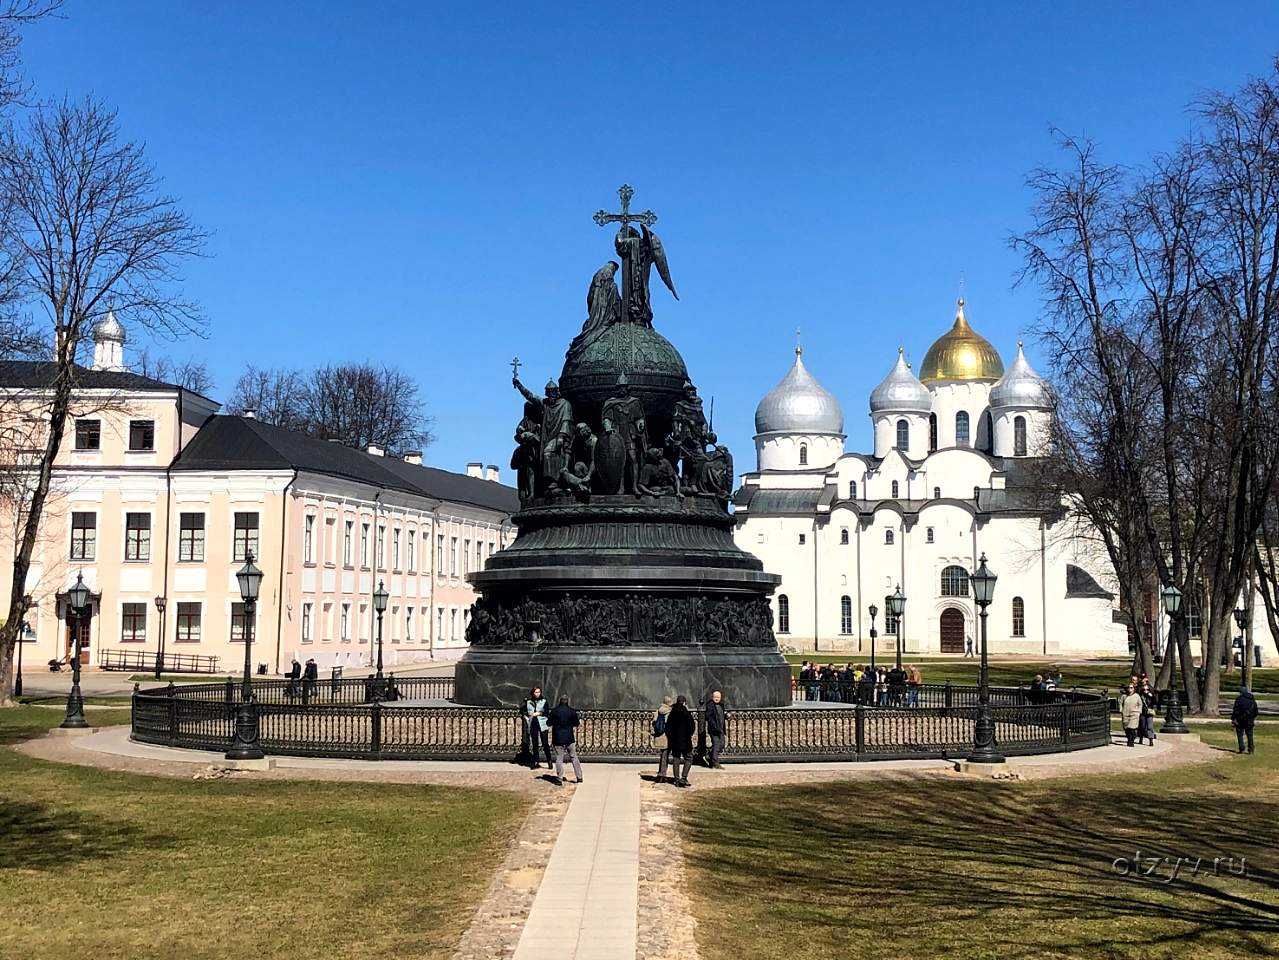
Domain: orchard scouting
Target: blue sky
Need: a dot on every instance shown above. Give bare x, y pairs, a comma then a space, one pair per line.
413, 182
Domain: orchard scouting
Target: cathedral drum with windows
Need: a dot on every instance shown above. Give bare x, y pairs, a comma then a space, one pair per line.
951, 475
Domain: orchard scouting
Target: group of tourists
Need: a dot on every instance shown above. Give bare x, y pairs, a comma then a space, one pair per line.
868, 686
1137, 707
673, 730
309, 677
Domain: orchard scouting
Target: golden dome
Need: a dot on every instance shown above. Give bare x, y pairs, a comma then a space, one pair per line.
961, 354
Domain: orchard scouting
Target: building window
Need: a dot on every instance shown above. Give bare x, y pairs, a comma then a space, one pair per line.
1019, 617
1019, 436
308, 538
895, 488
133, 623
395, 548
453, 623
88, 434
246, 535
903, 435
986, 433
439, 553
408, 624
137, 536
466, 556
238, 621
803, 539
845, 614
344, 631
188, 622
410, 545
348, 535
141, 434
803, 454
890, 621
306, 622
783, 613
954, 582
364, 545
843, 536
84, 535
453, 556
852, 489
381, 547
961, 428
439, 623
190, 536
932, 432
936, 493
1194, 620
928, 534
888, 536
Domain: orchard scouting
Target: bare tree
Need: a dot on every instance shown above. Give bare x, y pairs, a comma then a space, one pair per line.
90, 228
273, 396
189, 374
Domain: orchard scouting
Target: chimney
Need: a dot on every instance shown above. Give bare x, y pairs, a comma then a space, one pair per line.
377, 451
475, 470
413, 456
490, 473
250, 414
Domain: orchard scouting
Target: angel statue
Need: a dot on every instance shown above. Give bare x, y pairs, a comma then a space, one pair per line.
640, 252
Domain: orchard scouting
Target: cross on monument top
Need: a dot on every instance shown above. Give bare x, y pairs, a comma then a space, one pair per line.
625, 218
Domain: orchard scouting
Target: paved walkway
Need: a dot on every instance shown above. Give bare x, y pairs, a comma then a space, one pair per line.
587, 905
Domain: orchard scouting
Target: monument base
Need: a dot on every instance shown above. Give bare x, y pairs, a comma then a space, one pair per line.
633, 678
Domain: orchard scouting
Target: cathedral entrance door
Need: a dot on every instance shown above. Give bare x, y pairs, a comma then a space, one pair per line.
952, 630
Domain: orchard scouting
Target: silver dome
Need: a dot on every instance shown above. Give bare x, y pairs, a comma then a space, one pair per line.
1021, 386
900, 391
109, 328
799, 404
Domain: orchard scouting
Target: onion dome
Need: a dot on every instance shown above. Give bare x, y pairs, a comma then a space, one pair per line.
799, 404
1021, 386
900, 391
109, 328
961, 354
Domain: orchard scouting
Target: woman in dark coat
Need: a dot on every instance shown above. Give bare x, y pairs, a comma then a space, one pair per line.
680, 728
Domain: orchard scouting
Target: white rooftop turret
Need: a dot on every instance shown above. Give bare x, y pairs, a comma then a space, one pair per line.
900, 391
108, 343
1021, 386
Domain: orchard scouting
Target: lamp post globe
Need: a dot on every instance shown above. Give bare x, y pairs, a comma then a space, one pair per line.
245, 745
160, 604
984, 748
1173, 721
873, 611
897, 605
77, 612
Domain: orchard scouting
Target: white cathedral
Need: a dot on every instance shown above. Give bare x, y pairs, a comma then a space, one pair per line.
946, 483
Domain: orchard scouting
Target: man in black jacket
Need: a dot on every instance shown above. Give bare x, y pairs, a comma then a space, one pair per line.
309, 677
1243, 716
716, 718
294, 674
679, 737
563, 722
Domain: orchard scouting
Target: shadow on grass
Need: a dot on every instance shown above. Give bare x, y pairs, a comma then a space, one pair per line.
1007, 865
38, 836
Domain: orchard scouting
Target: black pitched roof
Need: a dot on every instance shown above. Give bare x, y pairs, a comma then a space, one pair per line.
40, 373
1080, 583
238, 443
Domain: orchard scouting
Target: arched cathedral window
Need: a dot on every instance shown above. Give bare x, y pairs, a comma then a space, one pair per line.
845, 614
1019, 617
903, 435
783, 613
852, 489
894, 488
803, 454
961, 428
932, 432
843, 536
1019, 437
954, 582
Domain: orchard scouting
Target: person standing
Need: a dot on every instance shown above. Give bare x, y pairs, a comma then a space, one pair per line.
968, 645
1130, 707
1148, 704
294, 674
1243, 717
914, 683
679, 738
535, 727
564, 720
310, 676
660, 742
716, 720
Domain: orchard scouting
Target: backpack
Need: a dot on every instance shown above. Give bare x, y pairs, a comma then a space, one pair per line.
659, 725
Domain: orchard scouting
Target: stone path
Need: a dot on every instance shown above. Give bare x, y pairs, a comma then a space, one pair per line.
587, 905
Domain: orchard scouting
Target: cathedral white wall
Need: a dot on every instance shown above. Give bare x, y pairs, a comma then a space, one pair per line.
108, 355
778, 451
949, 397
885, 425
1038, 426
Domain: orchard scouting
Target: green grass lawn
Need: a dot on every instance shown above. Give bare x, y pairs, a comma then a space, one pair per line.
968, 869
102, 865
1109, 675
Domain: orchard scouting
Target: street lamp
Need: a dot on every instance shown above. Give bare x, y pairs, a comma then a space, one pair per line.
245, 745
984, 750
897, 605
160, 604
873, 610
380, 597
22, 638
1241, 621
78, 609
1173, 722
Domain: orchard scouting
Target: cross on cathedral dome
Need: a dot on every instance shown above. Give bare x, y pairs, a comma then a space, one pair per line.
961, 354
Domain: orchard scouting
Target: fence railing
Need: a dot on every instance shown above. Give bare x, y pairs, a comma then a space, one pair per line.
144, 661
332, 719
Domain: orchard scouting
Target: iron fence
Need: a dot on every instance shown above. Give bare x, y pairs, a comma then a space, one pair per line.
335, 720
144, 662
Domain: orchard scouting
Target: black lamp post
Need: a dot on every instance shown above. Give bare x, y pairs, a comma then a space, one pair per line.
897, 605
380, 598
78, 610
1173, 723
873, 610
1241, 621
160, 604
245, 745
22, 638
984, 749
